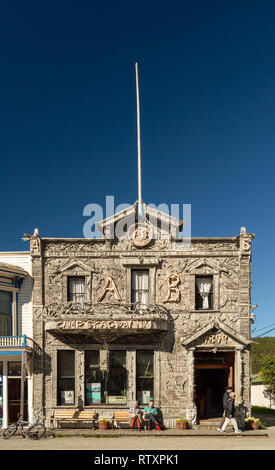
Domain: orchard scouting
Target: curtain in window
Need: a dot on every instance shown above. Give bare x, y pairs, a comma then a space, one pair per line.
140, 286
77, 289
204, 286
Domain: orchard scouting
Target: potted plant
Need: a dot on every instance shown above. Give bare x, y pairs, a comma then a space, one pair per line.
103, 423
252, 423
182, 423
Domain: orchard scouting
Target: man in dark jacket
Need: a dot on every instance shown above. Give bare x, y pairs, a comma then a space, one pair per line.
224, 404
225, 397
230, 414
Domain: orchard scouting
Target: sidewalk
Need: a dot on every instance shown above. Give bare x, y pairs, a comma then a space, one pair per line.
169, 432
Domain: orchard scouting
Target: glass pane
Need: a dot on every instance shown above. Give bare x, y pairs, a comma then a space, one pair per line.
5, 302
65, 361
5, 313
118, 358
91, 358
145, 376
117, 377
76, 289
14, 368
140, 286
65, 378
204, 292
95, 379
1, 390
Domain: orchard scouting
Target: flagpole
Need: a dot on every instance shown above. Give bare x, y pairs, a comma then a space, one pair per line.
138, 144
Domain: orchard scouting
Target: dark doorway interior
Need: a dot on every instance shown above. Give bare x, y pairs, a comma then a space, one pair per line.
210, 387
14, 399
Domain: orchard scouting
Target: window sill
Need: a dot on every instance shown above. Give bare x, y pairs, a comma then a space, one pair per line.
205, 310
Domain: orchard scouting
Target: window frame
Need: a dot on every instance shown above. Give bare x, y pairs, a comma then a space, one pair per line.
133, 270
120, 367
210, 296
102, 382
84, 293
138, 377
58, 377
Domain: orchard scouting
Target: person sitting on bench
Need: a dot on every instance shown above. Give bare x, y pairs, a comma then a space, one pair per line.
135, 415
150, 412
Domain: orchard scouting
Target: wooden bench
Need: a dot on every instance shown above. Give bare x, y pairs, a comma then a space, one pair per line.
87, 415
123, 417
64, 416
73, 416
120, 417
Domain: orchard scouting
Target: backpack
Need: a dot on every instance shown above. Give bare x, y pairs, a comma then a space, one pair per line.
159, 426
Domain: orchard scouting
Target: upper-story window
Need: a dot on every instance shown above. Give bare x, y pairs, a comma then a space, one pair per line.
204, 292
140, 286
76, 289
5, 313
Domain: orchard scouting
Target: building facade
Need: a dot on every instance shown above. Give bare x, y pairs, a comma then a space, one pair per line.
15, 334
137, 318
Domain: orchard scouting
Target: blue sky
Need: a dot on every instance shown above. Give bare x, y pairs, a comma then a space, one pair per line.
68, 117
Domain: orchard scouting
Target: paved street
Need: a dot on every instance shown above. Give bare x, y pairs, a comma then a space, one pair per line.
137, 442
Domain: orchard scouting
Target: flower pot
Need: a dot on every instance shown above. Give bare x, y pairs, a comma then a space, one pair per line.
102, 425
181, 425
255, 425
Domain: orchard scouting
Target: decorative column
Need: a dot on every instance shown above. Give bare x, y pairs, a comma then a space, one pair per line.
131, 378
104, 363
238, 375
191, 410
239, 387
80, 378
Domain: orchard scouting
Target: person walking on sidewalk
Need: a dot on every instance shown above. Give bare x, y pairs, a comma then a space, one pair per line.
224, 403
230, 414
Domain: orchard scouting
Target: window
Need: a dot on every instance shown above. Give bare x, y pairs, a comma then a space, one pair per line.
95, 379
76, 289
204, 292
1, 390
145, 376
65, 378
117, 378
14, 368
5, 313
140, 286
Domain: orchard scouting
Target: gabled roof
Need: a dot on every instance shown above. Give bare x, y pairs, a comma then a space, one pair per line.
218, 325
149, 212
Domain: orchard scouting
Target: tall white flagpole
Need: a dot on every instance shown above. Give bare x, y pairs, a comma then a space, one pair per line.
138, 144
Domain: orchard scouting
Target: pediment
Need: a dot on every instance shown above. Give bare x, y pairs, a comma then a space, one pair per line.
76, 265
215, 334
204, 266
130, 216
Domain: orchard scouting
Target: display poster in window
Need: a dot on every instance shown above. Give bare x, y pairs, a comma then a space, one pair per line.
67, 397
116, 399
93, 393
145, 396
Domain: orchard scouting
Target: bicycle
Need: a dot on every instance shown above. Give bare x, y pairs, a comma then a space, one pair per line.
35, 430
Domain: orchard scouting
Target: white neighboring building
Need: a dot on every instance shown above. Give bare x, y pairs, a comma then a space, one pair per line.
258, 397
15, 334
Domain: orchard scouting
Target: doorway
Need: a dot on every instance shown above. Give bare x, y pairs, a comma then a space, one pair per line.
213, 373
14, 386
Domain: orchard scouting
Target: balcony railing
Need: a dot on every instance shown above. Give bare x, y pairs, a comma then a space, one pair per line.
16, 342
